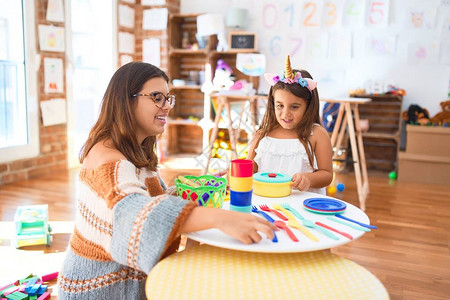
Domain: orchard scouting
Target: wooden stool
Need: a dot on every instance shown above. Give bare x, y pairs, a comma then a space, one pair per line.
224, 102
207, 272
344, 118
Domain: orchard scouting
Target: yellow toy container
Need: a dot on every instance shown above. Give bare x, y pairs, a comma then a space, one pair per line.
272, 185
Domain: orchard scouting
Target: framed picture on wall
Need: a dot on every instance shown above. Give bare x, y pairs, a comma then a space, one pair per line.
242, 40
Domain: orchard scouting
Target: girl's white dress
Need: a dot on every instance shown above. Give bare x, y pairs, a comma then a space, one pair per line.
286, 156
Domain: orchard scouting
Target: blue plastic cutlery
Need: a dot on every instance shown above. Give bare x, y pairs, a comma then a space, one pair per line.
268, 218
356, 222
346, 223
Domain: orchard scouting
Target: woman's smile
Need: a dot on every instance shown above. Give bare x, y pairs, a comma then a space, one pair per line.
161, 118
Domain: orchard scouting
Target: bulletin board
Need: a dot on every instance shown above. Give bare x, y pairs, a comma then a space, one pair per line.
350, 44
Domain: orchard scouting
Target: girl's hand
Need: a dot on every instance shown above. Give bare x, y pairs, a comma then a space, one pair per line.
243, 226
300, 182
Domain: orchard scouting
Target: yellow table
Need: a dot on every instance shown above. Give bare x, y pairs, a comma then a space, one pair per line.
206, 272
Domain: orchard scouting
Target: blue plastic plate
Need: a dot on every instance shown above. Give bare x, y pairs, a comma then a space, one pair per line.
324, 212
324, 204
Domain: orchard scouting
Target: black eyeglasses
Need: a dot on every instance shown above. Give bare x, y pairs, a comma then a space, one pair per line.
159, 98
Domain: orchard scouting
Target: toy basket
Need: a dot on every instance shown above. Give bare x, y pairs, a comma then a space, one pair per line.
210, 191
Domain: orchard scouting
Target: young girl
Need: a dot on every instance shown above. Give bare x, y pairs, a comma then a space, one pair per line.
125, 222
290, 139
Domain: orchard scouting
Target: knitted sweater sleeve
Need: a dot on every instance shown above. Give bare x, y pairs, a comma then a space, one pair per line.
144, 228
141, 227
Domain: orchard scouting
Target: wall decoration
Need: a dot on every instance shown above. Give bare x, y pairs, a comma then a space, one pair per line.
251, 64
421, 52
380, 46
155, 19
126, 43
53, 112
151, 51
446, 53
353, 13
124, 59
316, 46
51, 38
340, 46
420, 17
53, 75
312, 13
378, 13
153, 2
55, 11
126, 16
332, 13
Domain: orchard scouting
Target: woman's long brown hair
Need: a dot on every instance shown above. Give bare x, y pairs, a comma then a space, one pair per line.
311, 116
116, 121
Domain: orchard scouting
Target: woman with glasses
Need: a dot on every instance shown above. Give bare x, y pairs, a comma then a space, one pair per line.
125, 222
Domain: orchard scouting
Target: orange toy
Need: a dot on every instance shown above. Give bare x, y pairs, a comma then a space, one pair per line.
443, 116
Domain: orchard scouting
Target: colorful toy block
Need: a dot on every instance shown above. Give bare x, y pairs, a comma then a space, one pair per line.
32, 226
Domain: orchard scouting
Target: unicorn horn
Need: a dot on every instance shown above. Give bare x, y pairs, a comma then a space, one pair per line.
288, 69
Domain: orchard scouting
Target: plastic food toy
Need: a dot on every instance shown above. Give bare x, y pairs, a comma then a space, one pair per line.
32, 227
272, 184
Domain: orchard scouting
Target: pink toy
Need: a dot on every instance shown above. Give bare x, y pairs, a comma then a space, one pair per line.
44, 296
50, 276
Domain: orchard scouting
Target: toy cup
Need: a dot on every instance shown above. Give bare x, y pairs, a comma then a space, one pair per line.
241, 168
244, 209
241, 184
241, 201
241, 198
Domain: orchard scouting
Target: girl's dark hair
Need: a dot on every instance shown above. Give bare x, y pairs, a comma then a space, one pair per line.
311, 116
116, 121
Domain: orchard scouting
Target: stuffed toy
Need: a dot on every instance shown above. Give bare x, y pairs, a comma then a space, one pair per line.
416, 114
443, 116
223, 76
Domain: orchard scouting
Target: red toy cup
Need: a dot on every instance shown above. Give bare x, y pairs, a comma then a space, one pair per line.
241, 168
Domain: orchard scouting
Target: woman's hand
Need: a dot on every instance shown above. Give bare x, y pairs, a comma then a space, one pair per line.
244, 227
241, 226
300, 182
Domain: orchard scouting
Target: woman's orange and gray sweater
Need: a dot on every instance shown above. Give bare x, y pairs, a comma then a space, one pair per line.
125, 224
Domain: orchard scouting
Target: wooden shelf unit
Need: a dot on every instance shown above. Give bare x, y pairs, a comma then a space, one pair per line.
185, 136
382, 141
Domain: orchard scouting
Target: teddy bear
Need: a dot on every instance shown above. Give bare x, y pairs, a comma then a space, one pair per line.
443, 116
416, 114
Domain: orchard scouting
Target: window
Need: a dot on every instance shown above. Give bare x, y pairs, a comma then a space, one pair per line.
18, 99
91, 67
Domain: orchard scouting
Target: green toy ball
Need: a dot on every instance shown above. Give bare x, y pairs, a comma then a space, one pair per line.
392, 175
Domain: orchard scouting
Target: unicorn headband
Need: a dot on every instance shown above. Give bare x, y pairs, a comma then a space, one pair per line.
290, 77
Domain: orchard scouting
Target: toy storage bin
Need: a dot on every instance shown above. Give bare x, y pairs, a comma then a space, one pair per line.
210, 192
